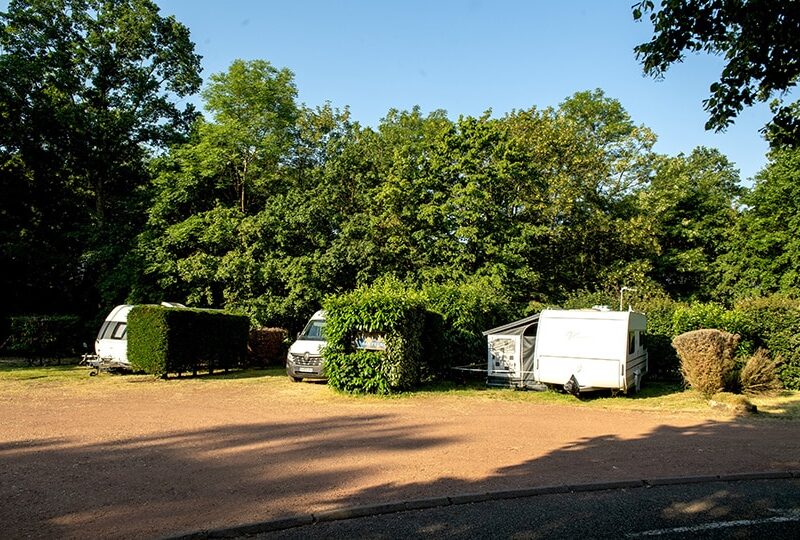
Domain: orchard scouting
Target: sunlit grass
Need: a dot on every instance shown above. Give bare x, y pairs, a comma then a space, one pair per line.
17, 378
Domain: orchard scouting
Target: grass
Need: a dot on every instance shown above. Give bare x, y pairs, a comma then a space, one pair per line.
18, 378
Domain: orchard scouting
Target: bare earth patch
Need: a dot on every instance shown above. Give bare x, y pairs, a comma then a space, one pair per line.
121, 457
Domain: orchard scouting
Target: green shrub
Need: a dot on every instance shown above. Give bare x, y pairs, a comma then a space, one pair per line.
774, 324
466, 310
760, 374
38, 337
388, 309
707, 359
165, 340
267, 346
663, 363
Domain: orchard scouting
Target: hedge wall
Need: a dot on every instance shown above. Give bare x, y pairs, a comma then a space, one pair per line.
389, 310
772, 323
43, 336
165, 340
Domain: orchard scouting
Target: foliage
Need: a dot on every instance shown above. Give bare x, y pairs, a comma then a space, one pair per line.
37, 337
760, 46
177, 340
88, 89
707, 359
764, 247
690, 204
774, 324
663, 363
466, 310
387, 309
267, 346
760, 374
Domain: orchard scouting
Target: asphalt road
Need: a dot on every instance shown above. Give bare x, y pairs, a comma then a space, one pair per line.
742, 509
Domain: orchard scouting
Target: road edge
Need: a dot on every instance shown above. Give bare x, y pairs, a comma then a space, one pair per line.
352, 512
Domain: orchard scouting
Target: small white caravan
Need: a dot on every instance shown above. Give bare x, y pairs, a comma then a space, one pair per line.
592, 348
580, 350
111, 345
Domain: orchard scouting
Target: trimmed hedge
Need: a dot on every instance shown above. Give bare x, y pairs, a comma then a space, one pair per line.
37, 337
387, 309
771, 323
774, 323
267, 346
165, 340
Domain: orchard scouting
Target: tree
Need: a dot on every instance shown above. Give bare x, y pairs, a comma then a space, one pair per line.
87, 92
691, 206
762, 54
253, 108
764, 256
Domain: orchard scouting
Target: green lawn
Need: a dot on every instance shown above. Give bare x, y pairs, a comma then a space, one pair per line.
654, 396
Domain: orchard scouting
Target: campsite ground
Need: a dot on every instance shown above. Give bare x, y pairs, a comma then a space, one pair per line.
125, 456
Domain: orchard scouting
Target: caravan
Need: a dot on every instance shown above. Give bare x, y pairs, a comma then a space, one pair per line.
579, 350
111, 345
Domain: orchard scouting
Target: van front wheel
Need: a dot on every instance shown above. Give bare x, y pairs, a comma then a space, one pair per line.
295, 379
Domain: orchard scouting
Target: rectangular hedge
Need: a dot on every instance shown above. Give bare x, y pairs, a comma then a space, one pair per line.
164, 340
388, 310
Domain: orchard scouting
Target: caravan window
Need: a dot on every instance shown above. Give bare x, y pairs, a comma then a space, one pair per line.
113, 330
631, 342
119, 331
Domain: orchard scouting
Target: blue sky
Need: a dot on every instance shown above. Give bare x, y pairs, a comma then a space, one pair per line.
467, 56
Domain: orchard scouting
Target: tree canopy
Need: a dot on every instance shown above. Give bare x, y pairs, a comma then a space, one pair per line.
88, 88
113, 192
758, 39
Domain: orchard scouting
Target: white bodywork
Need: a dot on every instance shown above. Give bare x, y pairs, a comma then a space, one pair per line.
304, 359
111, 344
601, 349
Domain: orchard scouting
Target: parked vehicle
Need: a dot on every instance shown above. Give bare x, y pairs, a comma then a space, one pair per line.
111, 345
578, 350
304, 360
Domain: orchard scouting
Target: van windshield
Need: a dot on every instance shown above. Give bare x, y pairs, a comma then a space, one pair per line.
315, 330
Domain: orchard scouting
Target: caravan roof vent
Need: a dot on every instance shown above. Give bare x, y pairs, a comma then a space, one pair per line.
601, 308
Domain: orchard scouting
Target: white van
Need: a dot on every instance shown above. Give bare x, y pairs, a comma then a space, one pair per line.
304, 360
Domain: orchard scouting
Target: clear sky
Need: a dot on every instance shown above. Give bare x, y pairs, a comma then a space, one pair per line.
467, 56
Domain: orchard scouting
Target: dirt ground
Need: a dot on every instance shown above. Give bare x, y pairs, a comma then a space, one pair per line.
132, 457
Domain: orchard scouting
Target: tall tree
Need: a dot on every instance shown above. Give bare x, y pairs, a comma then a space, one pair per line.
88, 89
762, 54
691, 205
764, 254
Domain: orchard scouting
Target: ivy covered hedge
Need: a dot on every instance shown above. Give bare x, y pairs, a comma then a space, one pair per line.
426, 332
165, 340
388, 311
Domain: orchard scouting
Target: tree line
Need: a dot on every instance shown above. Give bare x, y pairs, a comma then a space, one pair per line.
113, 191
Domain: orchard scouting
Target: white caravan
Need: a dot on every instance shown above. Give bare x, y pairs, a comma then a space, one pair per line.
580, 350
591, 349
111, 345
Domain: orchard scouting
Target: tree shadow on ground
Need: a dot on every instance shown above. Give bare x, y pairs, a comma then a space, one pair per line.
704, 449
185, 480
